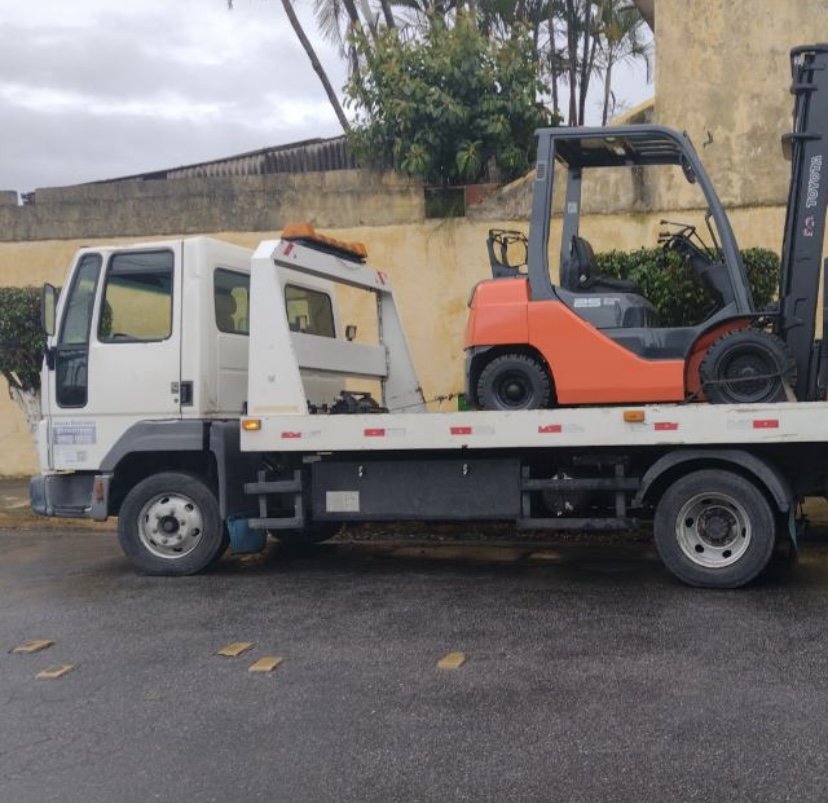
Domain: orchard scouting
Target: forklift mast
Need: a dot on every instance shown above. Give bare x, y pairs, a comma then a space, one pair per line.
802, 245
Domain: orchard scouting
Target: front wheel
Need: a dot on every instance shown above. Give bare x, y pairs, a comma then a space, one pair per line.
169, 524
748, 366
714, 529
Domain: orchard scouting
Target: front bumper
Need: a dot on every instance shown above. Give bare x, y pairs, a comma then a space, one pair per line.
79, 495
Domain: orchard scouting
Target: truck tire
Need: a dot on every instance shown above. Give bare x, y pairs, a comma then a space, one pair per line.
514, 382
169, 524
728, 369
714, 529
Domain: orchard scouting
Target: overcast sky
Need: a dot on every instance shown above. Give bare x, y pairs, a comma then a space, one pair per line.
95, 89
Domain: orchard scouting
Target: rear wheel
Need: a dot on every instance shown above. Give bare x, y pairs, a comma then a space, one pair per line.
169, 524
514, 382
714, 529
747, 366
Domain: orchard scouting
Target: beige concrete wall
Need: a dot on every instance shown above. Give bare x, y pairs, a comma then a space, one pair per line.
192, 205
433, 267
723, 75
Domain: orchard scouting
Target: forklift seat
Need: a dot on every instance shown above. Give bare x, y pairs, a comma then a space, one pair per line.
580, 274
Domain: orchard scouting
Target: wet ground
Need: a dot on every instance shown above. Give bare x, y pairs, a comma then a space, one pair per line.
590, 674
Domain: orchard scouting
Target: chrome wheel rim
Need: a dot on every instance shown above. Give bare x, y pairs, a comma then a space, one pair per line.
713, 530
170, 526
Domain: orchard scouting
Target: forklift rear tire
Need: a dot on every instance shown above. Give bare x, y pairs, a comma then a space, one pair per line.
714, 529
514, 382
169, 524
747, 366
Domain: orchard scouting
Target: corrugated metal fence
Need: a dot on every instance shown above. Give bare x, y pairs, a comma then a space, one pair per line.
300, 157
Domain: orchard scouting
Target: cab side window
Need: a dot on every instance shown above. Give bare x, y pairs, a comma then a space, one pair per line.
231, 294
137, 304
309, 311
73, 343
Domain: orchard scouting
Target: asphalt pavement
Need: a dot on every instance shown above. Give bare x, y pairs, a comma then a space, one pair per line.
590, 674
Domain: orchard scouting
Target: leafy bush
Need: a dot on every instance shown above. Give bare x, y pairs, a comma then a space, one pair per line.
21, 339
675, 290
449, 105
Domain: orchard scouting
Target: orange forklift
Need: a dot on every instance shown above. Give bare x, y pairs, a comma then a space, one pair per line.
595, 339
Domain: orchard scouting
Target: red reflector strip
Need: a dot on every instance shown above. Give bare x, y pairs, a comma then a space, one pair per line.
374, 433
287, 249
766, 423
286, 435
661, 426
547, 429
461, 430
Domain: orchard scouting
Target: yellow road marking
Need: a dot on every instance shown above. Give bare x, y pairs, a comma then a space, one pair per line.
28, 647
453, 660
235, 649
54, 672
266, 664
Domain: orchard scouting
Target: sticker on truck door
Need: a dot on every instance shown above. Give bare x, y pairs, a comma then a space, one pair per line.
74, 434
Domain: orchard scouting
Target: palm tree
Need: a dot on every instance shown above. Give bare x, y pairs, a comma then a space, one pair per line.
314, 60
622, 29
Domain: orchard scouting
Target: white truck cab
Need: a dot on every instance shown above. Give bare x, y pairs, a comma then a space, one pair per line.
159, 331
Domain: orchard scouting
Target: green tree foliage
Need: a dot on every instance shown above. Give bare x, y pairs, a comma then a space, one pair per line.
21, 338
674, 289
448, 105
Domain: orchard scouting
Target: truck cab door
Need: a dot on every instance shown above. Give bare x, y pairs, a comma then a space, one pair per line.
117, 353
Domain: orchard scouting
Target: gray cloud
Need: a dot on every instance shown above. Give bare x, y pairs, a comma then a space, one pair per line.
74, 147
109, 95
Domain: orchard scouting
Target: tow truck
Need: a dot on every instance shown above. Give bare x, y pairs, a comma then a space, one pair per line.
207, 397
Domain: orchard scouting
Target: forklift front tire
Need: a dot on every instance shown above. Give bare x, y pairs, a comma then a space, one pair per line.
747, 366
514, 382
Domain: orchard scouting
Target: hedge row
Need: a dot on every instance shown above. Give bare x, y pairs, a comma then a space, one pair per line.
674, 289
21, 339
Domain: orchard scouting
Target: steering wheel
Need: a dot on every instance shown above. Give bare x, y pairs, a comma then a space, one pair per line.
681, 241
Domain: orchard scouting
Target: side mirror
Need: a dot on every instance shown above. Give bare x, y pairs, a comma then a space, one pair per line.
350, 332
48, 305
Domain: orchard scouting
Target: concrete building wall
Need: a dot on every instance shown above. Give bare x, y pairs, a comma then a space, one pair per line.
192, 205
723, 75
